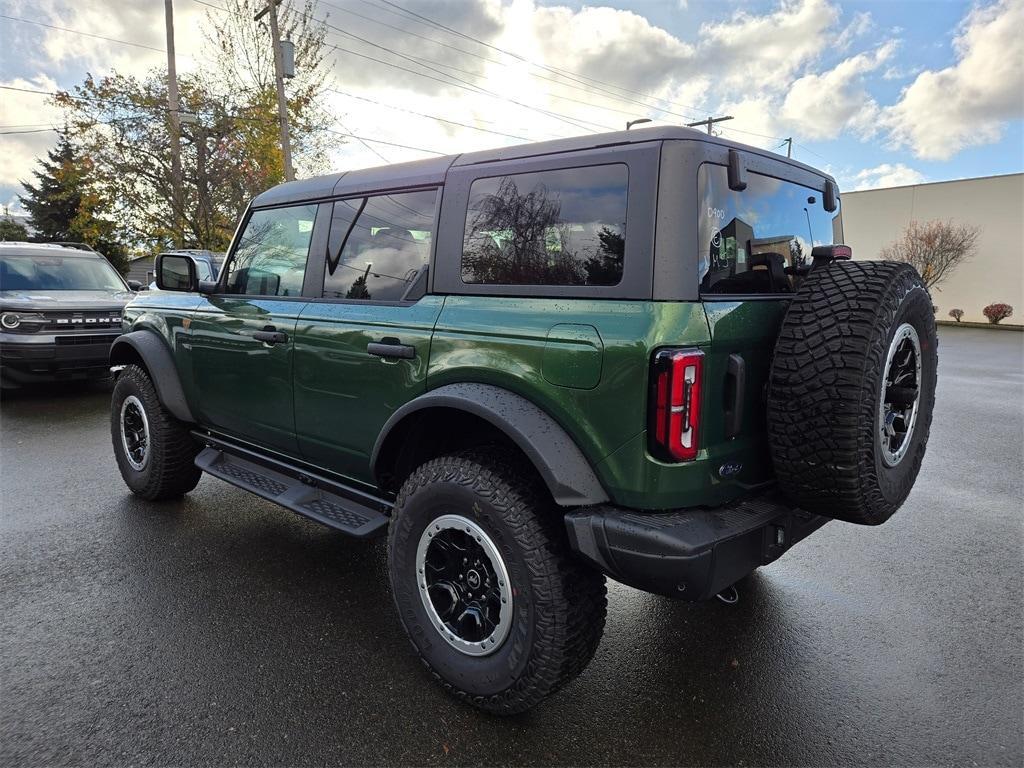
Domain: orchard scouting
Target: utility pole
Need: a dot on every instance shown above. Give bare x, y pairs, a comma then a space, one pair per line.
175, 123
789, 146
709, 122
282, 102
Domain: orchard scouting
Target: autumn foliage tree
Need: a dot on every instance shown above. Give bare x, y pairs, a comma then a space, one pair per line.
934, 248
229, 130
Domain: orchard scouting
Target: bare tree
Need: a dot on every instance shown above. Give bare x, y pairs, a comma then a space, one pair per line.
242, 57
935, 248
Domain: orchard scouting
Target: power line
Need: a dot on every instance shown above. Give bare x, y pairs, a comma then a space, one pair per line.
230, 117
365, 144
469, 87
458, 82
575, 122
84, 34
555, 70
423, 114
425, 63
36, 130
386, 143
588, 88
569, 74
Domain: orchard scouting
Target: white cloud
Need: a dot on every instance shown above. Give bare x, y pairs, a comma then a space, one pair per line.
765, 51
21, 111
887, 175
820, 106
861, 23
765, 68
943, 111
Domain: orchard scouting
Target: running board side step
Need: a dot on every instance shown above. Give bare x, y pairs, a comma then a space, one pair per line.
314, 497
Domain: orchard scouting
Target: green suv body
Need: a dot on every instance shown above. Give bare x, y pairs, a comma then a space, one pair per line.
534, 366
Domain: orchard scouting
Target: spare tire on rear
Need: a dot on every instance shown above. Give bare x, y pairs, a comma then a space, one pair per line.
851, 389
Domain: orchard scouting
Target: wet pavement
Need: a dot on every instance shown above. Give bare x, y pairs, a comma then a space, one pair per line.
224, 630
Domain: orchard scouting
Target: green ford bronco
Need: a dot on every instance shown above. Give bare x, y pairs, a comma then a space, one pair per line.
645, 355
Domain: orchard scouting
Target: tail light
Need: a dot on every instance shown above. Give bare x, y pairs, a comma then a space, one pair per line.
675, 403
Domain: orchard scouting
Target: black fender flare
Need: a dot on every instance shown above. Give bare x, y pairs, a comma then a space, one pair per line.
562, 465
159, 361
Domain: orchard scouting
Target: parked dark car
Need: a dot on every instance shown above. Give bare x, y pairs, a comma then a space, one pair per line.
60, 310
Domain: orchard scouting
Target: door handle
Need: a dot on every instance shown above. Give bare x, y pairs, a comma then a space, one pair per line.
270, 335
736, 380
391, 349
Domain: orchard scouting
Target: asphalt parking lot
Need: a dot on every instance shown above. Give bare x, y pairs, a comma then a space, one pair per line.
224, 630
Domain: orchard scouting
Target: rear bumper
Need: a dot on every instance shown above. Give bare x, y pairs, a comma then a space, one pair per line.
688, 554
27, 359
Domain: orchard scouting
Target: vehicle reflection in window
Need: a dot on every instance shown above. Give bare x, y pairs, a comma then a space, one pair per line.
563, 227
378, 245
759, 240
271, 256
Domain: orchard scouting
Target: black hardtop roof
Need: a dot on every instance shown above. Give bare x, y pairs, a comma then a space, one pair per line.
432, 170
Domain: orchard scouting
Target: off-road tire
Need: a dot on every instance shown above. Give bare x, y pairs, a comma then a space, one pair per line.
559, 602
825, 385
170, 471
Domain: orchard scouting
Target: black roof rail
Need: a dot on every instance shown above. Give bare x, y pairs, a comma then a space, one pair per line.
81, 246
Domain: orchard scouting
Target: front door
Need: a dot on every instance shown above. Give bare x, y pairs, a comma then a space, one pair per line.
243, 338
361, 350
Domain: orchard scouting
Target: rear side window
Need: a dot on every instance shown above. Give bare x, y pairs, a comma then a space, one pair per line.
378, 245
752, 241
270, 259
562, 227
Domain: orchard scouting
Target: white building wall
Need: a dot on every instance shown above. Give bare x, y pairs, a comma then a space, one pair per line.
874, 218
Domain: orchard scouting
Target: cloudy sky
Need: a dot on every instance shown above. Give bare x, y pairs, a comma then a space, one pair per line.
880, 93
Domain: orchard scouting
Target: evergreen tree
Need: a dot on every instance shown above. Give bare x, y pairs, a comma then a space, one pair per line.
63, 206
12, 230
53, 202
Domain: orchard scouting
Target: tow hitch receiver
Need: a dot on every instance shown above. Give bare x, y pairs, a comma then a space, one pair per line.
691, 554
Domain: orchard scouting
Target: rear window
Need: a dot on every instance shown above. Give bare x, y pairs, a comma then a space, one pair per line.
58, 273
562, 227
752, 241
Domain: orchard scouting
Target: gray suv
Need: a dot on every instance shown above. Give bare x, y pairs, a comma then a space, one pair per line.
60, 310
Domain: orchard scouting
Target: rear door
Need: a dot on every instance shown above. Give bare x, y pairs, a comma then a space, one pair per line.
362, 346
751, 243
243, 337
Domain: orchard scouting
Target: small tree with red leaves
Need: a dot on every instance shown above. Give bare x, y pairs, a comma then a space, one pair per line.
997, 312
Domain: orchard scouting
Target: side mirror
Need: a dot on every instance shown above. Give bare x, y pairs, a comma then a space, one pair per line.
831, 199
175, 272
135, 285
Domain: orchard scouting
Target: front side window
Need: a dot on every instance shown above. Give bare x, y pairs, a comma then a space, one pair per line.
561, 228
756, 240
58, 273
270, 259
378, 245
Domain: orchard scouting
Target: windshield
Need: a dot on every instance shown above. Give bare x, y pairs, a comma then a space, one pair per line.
58, 273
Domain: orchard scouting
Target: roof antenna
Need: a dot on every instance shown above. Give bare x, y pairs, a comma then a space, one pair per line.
639, 120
